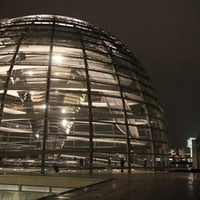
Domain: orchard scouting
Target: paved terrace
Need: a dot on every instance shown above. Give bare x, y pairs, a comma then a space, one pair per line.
140, 185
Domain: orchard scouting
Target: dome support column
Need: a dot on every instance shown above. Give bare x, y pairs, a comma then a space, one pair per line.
91, 148
9, 73
128, 145
46, 123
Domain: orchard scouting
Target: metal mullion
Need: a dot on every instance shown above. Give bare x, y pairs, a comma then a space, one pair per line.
46, 124
148, 116
9, 73
125, 113
91, 131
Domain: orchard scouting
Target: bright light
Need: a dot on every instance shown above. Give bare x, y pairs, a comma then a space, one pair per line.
64, 122
63, 111
30, 73
67, 125
37, 135
57, 58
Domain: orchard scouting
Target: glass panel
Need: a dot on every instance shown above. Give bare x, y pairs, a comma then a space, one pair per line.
109, 115
35, 188
67, 74
38, 34
68, 37
110, 158
106, 101
30, 48
159, 149
64, 61
102, 77
24, 107
123, 71
25, 77
101, 129
141, 146
5, 58
66, 51
20, 134
89, 35
108, 90
9, 187
100, 66
97, 56
32, 58
130, 83
141, 161
154, 112
128, 66
3, 76
95, 46
8, 39
157, 123
144, 132
77, 143
66, 83
66, 108
147, 90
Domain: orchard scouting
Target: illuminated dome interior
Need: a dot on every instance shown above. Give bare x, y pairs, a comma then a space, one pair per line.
71, 91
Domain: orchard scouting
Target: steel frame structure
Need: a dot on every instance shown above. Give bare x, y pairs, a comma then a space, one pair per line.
69, 91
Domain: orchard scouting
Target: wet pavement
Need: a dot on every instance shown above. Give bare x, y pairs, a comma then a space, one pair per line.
142, 186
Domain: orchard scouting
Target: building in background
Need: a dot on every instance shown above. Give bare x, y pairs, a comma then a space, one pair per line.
189, 145
196, 153
72, 94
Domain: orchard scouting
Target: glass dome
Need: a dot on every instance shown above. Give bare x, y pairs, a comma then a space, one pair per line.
72, 94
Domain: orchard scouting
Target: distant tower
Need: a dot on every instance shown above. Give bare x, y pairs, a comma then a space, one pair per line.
196, 152
189, 145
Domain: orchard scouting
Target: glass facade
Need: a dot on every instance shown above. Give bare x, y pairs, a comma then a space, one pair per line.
72, 94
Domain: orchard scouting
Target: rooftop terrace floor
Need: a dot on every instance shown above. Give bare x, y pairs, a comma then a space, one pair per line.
140, 185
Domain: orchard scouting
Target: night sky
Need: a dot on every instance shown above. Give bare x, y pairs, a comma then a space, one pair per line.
163, 34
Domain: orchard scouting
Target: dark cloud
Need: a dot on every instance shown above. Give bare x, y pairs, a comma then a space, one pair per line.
164, 35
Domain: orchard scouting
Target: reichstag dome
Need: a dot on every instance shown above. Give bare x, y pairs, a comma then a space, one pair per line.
74, 95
